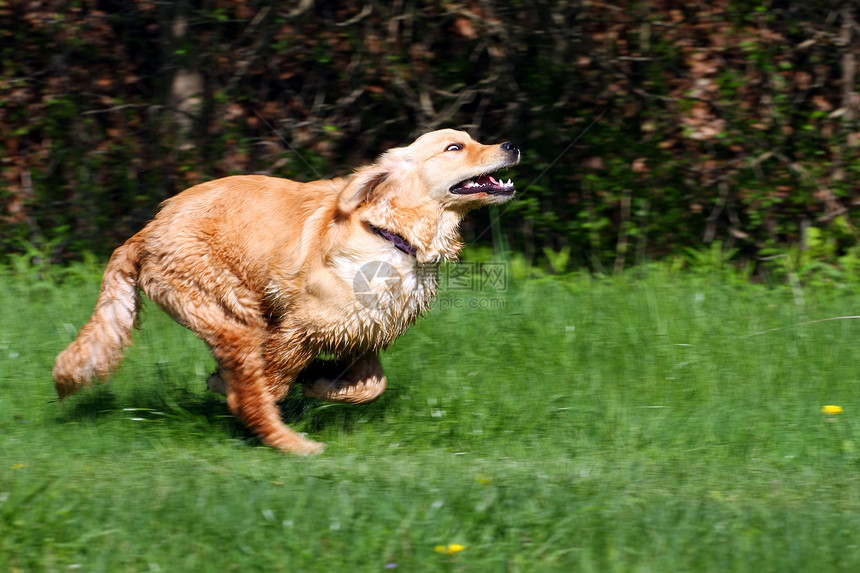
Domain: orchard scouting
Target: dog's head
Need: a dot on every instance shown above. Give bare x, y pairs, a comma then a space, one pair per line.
447, 168
458, 171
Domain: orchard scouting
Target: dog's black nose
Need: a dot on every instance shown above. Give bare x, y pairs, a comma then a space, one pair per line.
512, 149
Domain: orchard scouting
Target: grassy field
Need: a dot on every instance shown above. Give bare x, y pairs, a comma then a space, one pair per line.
629, 424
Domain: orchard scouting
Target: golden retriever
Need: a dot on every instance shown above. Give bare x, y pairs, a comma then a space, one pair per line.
272, 274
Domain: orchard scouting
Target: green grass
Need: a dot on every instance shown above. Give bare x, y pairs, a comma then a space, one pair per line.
590, 425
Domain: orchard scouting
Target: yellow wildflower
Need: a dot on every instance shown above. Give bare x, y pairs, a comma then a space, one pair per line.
831, 409
450, 549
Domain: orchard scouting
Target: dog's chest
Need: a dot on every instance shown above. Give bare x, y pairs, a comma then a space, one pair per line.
379, 298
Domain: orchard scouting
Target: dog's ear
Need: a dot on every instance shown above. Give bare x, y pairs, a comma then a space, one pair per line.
359, 189
360, 186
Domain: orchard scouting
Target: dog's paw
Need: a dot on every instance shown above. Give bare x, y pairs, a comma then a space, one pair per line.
352, 392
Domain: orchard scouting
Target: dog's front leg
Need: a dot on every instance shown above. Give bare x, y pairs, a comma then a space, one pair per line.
357, 380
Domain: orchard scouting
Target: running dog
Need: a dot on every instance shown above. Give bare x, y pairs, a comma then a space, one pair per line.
272, 274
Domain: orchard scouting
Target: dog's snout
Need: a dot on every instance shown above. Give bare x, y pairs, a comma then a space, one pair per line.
511, 148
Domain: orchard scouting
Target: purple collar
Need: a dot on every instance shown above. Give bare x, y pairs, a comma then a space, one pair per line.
396, 240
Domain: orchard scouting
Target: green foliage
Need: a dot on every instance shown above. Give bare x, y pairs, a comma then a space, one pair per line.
723, 122
712, 261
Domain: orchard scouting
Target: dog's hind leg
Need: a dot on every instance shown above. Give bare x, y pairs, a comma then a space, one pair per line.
358, 381
251, 398
238, 344
252, 393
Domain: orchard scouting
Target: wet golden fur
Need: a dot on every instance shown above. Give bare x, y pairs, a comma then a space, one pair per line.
264, 270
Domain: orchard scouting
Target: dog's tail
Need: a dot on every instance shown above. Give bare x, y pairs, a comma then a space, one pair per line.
98, 349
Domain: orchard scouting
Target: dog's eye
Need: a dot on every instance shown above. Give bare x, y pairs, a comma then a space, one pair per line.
454, 147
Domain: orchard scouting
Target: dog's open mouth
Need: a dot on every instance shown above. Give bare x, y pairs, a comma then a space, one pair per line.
483, 184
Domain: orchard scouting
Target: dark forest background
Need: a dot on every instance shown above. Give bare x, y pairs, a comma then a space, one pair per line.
719, 126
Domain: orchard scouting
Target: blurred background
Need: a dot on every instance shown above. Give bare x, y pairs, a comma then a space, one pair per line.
727, 127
